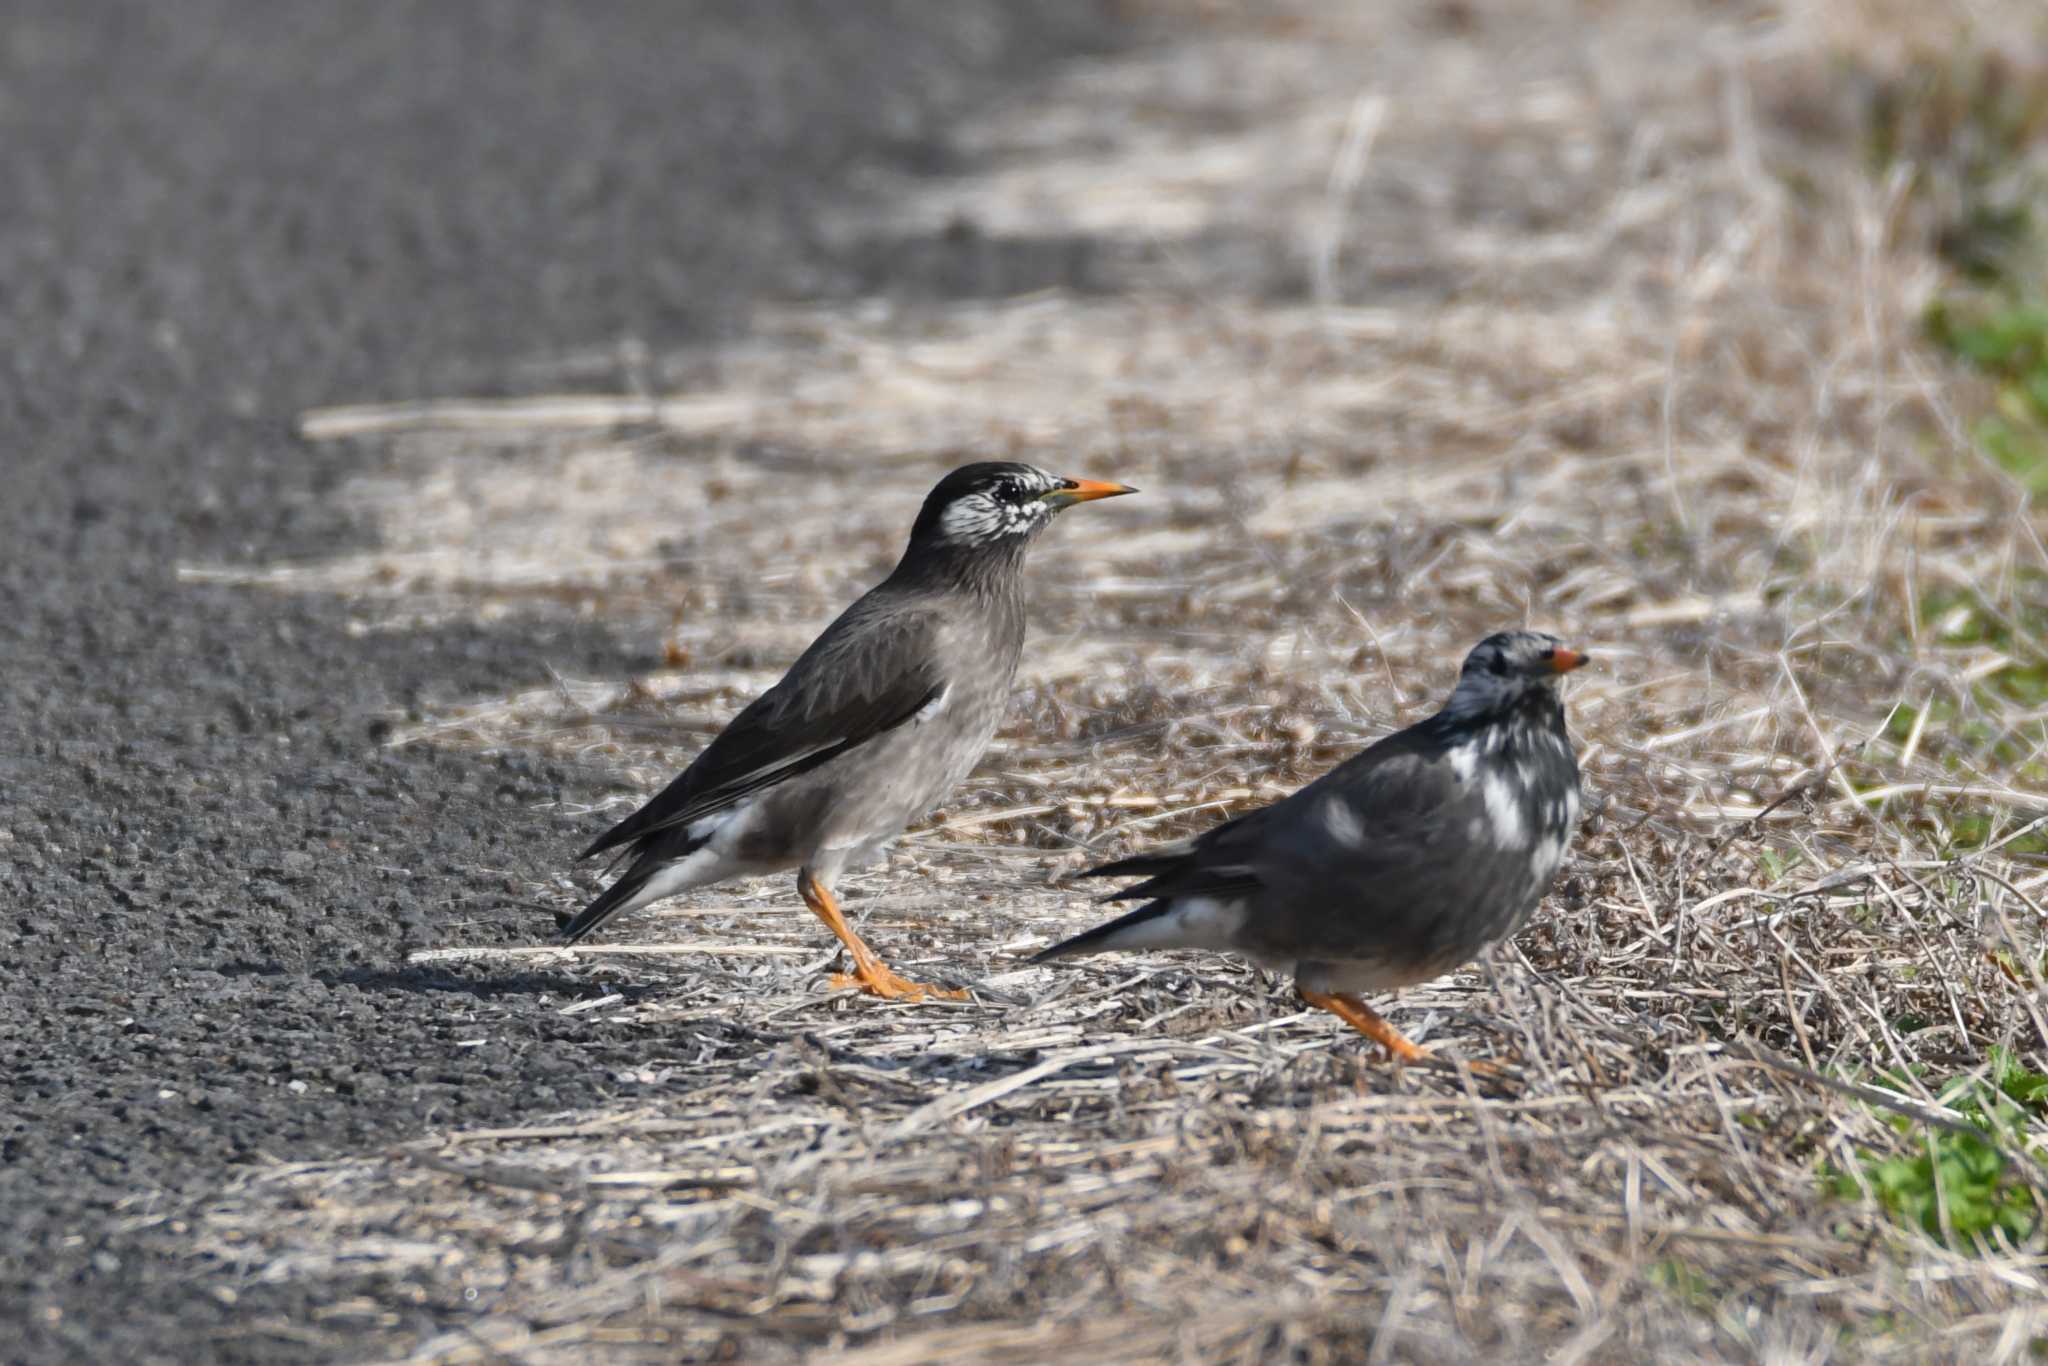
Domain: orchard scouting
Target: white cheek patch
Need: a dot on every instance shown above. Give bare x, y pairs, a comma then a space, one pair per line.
1465, 761
975, 518
1503, 812
1343, 824
978, 518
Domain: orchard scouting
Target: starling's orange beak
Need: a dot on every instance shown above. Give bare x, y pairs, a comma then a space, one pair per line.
1085, 491
1563, 661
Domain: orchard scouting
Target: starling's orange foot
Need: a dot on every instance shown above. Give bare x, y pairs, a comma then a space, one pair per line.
869, 973
878, 980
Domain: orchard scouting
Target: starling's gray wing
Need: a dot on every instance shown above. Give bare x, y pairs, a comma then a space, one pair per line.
1365, 832
1240, 854
1367, 860
871, 671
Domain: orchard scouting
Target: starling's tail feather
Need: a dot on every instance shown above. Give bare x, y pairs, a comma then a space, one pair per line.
1151, 861
1104, 937
608, 903
1171, 922
632, 889
1180, 872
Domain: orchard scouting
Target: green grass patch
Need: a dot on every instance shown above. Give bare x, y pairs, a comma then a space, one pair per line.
2005, 337
1976, 1177
1685, 1282
1778, 864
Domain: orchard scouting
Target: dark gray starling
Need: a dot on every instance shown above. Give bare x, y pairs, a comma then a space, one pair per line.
881, 717
1393, 868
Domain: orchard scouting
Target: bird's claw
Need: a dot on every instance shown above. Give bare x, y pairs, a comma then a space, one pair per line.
880, 981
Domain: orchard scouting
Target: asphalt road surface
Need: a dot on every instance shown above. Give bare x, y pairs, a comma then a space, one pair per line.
214, 214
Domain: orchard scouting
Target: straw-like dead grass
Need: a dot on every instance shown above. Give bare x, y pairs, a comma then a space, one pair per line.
1599, 323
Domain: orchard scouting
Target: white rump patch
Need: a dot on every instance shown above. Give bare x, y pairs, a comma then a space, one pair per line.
1545, 861
726, 822
1200, 922
1503, 812
1343, 823
706, 866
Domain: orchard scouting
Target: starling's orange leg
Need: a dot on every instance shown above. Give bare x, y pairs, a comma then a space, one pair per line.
869, 973
1368, 1022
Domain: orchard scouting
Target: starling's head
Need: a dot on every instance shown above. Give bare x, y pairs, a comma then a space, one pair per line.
1508, 667
999, 502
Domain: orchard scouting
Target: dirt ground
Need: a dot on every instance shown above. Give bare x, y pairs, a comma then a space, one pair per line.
559, 380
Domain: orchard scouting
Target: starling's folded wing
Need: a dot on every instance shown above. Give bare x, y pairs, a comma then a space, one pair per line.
1394, 860
1388, 787
1371, 822
871, 671
1218, 860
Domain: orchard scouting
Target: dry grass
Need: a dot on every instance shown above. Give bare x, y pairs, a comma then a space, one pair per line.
1597, 322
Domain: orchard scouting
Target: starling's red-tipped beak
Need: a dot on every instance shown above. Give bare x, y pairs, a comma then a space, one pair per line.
1086, 491
1563, 661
